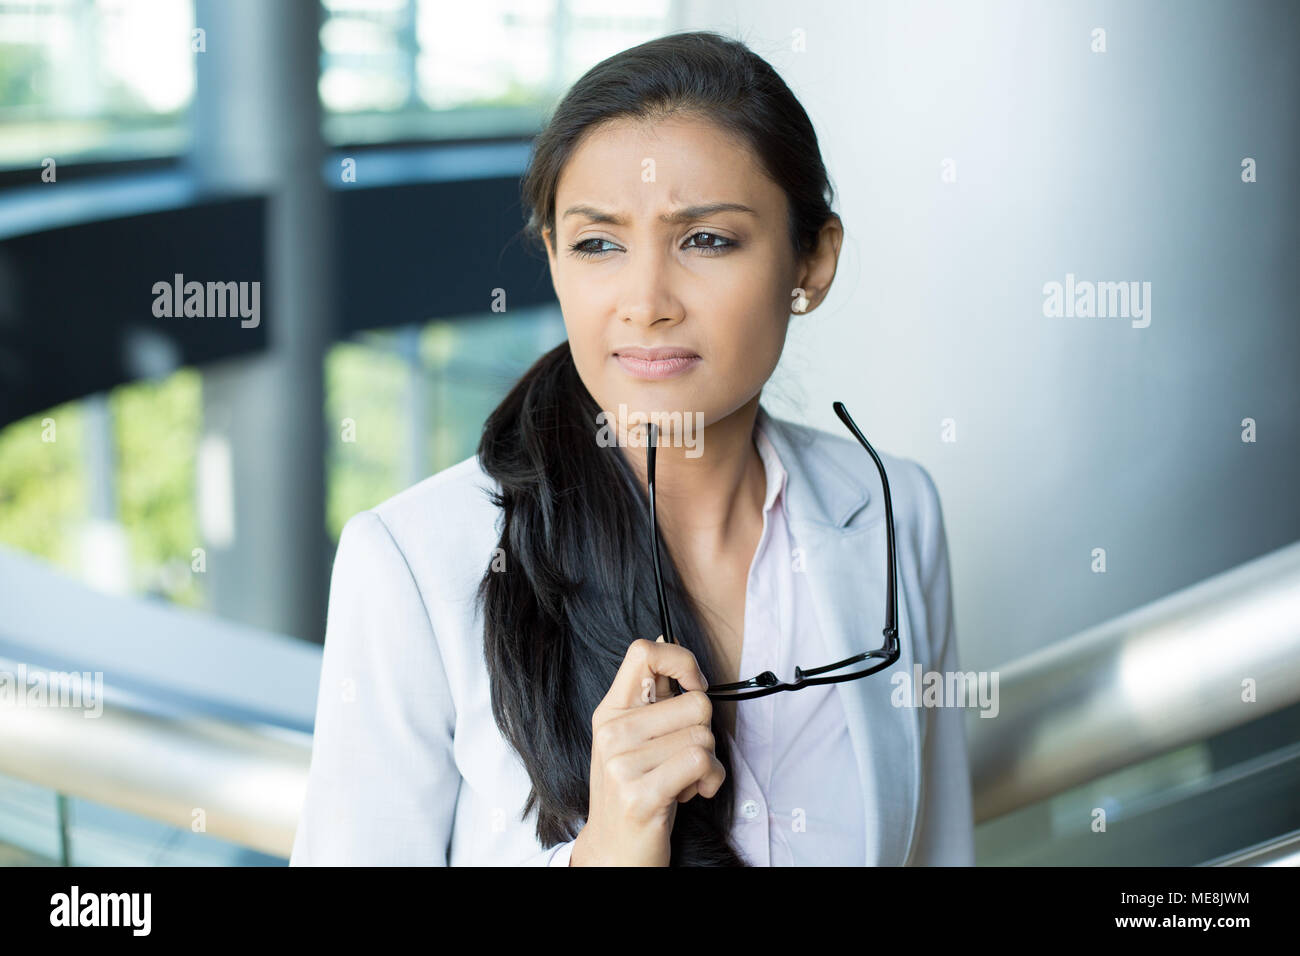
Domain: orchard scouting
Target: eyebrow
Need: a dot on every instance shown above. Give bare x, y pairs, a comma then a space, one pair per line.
685, 214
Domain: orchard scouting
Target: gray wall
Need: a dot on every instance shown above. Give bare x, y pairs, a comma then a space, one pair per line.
1072, 432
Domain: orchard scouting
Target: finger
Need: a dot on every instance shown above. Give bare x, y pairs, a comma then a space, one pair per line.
632, 728
660, 750
650, 659
663, 685
691, 765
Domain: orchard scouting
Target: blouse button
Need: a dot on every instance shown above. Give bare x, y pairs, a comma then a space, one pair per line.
750, 809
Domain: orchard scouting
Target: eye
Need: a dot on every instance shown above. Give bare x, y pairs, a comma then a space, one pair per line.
582, 250
713, 250
578, 248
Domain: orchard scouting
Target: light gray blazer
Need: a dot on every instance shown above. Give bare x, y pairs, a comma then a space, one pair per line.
408, 766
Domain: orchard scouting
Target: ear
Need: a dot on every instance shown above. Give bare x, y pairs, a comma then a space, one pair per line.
819, 267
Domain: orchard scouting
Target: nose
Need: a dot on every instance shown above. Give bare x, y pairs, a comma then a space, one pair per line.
647, 289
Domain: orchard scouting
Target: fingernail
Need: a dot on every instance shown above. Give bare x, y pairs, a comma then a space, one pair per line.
659, 639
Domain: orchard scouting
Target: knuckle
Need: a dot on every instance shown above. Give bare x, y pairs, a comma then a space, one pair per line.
618, 767
602, 738
701, 736
620, 736
704, 705
719, 779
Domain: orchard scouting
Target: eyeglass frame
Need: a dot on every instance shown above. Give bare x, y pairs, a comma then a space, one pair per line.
767, 683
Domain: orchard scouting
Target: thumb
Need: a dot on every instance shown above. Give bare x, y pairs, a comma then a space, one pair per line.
663, 685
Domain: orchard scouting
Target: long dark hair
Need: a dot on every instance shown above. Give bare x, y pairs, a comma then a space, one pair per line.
577, 585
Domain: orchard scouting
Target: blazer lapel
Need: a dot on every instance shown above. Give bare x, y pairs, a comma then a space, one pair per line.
845, 563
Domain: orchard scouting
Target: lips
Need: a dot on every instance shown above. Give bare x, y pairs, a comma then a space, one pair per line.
655, 354
655, 363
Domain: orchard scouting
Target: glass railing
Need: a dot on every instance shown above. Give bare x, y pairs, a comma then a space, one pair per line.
41, 827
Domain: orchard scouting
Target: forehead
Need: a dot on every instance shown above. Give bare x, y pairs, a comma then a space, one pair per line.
692, 161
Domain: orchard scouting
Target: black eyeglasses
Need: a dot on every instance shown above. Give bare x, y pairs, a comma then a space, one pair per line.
767, 682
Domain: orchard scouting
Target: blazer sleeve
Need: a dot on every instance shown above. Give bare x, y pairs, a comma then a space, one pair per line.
383, 781
946, 829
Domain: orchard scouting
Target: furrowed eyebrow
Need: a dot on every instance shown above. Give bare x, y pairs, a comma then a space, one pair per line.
685, 214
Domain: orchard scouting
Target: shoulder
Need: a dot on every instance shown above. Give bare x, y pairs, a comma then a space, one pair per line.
443, 527
458, 497
830, 458
846, 481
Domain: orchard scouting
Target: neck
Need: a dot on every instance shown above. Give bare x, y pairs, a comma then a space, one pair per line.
705, 495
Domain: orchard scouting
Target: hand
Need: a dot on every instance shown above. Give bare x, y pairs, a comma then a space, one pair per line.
651, 750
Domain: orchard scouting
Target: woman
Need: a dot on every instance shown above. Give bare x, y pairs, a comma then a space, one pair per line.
495, 688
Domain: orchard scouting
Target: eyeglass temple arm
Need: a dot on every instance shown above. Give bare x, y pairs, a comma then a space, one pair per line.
891, 625
665, 620
890, 630
669, 636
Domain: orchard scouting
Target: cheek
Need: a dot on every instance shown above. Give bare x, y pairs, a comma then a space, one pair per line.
588, 346
763, 352
758, 302
590, 351
582, 328
753, 333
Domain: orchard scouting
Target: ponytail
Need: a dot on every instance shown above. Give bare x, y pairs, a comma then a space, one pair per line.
577, 588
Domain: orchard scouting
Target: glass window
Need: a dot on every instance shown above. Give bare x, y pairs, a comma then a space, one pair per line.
103, 488
430, 69
94, 80
403, 404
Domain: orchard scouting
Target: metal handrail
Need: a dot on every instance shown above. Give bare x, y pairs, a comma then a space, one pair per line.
1280, 851
1165, 675
241, 782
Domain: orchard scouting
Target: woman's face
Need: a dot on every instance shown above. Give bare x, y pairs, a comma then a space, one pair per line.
717, 283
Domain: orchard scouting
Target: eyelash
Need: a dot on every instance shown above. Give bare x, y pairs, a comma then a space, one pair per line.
577, 250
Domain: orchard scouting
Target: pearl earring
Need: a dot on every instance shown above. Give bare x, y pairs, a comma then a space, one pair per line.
801, 303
